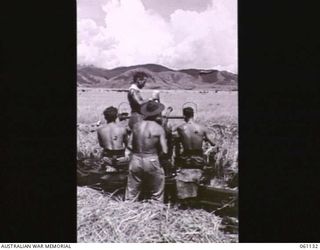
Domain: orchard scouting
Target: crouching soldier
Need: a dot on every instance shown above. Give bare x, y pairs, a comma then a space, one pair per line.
191, 161
113, 138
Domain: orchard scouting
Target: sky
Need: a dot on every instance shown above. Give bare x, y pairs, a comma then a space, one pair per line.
178, 34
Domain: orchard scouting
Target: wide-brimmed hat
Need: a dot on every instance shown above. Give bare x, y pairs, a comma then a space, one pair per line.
151, 108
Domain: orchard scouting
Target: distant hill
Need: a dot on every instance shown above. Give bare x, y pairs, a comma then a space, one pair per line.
160, 77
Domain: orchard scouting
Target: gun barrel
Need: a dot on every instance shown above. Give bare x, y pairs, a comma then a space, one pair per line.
167, 117
173, 117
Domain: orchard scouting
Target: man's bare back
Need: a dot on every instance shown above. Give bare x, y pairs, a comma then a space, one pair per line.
147, 136
145, 171
192, 135
112, 136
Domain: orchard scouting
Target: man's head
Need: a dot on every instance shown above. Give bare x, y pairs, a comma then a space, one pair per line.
110, 114
152, 110
140, 78
188, 113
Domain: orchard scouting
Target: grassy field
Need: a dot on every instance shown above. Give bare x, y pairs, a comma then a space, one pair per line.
220, 107
103, 220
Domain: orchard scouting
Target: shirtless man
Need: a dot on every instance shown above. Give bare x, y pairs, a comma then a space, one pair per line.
113, 139
191, 135
144, 169
135, 99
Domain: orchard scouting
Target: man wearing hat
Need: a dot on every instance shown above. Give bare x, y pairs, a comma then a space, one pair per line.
145, 171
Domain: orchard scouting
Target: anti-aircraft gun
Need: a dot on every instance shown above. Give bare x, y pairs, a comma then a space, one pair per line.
220, 198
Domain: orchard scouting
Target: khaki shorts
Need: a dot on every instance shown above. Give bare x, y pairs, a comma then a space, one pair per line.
145, 176
189, 176
187, 181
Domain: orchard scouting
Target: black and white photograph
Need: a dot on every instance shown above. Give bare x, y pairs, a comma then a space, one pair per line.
157, 121
148, 121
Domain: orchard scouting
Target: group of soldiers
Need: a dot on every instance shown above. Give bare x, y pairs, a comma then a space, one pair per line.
151, 144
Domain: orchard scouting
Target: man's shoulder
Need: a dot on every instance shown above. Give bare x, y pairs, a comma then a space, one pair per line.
182, 127
107, 127
125, 129
185, 126
195, 124
155, 125
131, 91
101, 129
199, 125
133, 88
118, 127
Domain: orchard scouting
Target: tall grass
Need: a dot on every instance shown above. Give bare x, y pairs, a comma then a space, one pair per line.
101, 218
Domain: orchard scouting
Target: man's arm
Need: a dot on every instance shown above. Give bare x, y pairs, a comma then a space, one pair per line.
208, 137
125, 137
129, 144
177, 142
137, 97
99, 139
165, 120
163, 141
169, 136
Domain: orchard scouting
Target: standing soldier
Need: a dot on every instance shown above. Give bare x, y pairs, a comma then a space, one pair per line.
191, 135
135, 99
145, 171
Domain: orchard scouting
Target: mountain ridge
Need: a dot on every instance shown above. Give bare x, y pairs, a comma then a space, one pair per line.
160, 77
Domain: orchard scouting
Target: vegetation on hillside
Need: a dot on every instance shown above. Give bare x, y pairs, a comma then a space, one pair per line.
160, 77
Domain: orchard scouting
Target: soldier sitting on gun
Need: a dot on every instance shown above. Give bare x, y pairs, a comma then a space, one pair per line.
113, 139
191, 162
135, 99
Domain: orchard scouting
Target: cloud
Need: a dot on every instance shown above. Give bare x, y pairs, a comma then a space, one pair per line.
133, 35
